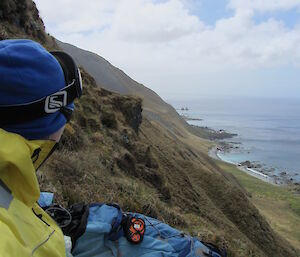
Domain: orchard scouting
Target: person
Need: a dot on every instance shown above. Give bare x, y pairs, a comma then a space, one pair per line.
37, 91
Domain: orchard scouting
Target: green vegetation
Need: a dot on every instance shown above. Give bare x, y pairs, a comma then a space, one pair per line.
279, 204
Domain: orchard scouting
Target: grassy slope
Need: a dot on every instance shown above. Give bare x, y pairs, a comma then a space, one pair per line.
280, 205
154, 173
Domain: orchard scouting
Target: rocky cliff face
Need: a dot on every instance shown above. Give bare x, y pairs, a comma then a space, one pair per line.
21, 14
20, 19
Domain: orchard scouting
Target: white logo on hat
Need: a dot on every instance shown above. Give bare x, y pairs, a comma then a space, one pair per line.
54, 102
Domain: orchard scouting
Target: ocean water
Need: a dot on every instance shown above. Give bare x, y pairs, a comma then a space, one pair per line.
268, 130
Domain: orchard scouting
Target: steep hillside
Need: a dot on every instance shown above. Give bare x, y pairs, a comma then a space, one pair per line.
111, 153
106, 155
114, 79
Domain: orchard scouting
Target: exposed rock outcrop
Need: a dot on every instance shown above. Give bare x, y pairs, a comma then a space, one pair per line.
24, 15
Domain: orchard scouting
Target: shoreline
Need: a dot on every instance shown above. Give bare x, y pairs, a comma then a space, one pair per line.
253, 168
214, 153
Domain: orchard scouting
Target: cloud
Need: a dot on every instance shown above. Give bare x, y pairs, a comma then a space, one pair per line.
264, 5
148, 21
74, 16
161, 44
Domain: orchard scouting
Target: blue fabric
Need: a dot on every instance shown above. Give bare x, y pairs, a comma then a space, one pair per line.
94, 242
27, 73
45, 199
116, 230
159, 240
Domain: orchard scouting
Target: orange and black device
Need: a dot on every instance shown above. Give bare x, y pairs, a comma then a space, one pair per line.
134, 230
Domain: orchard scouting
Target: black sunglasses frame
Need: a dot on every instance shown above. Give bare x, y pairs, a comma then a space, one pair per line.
58, 101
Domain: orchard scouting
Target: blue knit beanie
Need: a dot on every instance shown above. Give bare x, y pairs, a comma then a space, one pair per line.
27, 73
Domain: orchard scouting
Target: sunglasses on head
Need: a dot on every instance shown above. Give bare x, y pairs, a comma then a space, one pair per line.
58, 101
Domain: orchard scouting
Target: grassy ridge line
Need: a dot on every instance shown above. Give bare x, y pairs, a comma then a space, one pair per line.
279, 204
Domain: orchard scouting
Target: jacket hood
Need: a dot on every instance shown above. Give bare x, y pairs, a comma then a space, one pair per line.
19, 159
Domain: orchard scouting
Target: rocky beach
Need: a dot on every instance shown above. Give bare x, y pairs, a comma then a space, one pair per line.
246, 167
252, 168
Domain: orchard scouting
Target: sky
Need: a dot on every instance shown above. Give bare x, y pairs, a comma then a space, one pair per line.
189, 49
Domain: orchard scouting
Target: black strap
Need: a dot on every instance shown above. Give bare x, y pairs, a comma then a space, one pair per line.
26, 112
77, 227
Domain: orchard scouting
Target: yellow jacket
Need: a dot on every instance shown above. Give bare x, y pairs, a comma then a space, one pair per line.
25, 229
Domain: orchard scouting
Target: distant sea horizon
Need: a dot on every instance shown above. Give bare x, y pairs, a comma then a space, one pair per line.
268, 130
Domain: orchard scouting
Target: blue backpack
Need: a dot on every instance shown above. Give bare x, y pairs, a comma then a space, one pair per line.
105, 236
